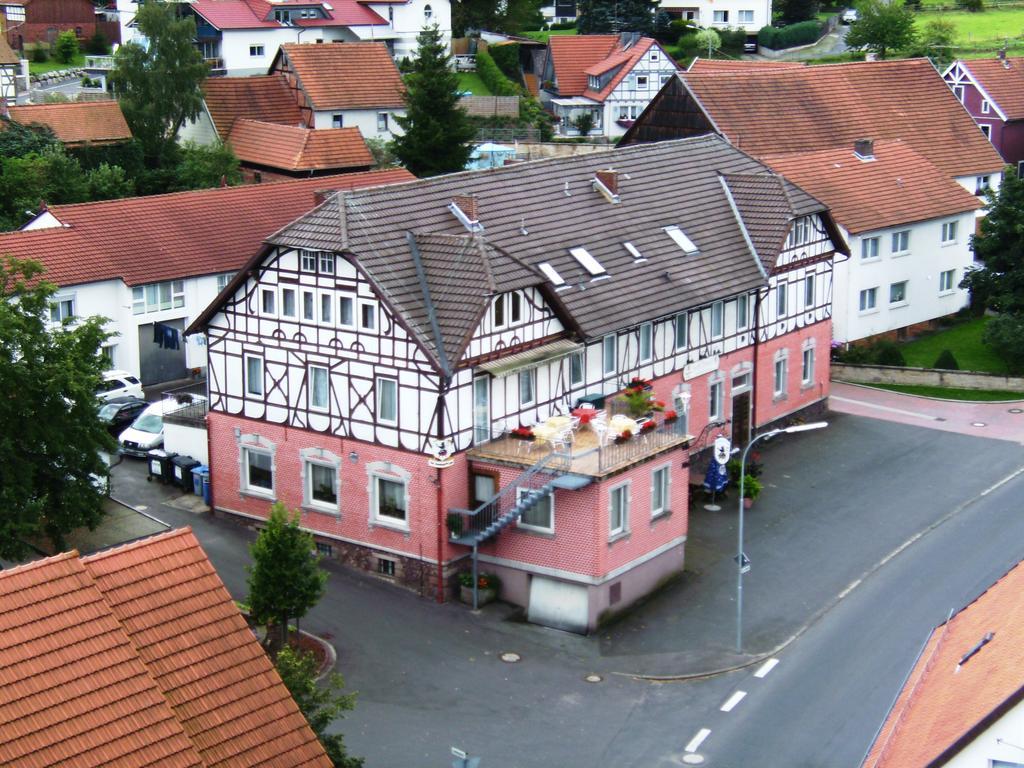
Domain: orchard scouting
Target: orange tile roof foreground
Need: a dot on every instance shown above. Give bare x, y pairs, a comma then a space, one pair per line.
78, 122
897, 187
781, 110
134, 657
1005, 84
299, 149
267, 98
163, 237
944, 703
346, 75
701, 66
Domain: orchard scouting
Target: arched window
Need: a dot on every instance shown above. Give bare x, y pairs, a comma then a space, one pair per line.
428, 13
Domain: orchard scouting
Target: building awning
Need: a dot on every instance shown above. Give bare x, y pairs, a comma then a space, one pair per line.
531, 358
576, 101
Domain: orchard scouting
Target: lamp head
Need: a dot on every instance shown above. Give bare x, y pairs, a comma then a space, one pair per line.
805, 427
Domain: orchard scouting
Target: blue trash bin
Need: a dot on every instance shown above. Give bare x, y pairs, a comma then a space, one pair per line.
197, 478
206, 489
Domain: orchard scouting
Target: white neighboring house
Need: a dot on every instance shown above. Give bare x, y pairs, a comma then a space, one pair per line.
152, 278
908, 226
748, 15
241, 37
611, 77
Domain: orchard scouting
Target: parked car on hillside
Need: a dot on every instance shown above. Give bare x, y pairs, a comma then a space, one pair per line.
119, 384
117, 413
850, 16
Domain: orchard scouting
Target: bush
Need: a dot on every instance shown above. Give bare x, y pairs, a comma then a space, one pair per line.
803, 33
974, 6
1005, 334
39, 54
97, 45
946, 361
484, 580
562, 25
751, 487
888, 353
492, 76
733, 40
507, 58
66, 48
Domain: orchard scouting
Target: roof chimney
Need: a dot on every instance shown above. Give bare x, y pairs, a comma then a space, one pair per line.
465, 209
320, 195
864, 149
1003, 59
607, 183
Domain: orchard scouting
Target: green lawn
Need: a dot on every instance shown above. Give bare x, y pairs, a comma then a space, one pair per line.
986, 26
963, 340
49, 66
977, 395
543, 35
470, 81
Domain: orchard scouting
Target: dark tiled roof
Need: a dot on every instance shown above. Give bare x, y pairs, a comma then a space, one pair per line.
98, 122
267, 98
765, 208
554, 201
1004, 83
299, 149
345, 75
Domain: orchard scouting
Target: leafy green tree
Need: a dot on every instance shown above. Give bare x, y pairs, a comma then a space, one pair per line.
159, 86
584, 123
437, 134
17, 140
1005, 334
285, 579
511, 16
50, 432
97, 45
999, 245
883, 27
600, 16
383, 153
935, 40
109, 182
65, 49
50, 175
708, 41
203, 166
795, 11
320, 706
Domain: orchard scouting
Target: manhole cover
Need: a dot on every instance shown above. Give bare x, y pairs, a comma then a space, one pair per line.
593, 678
1016, 410
693, 759
978, 424
510, 658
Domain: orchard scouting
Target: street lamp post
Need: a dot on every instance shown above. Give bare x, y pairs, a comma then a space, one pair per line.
740, 559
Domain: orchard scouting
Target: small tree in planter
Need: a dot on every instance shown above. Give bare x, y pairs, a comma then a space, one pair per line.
487, 585
584, 123
751, 490
639, 400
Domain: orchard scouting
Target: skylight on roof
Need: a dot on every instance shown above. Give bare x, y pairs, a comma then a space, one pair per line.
679, 238
551, 274
588, 262
637, 256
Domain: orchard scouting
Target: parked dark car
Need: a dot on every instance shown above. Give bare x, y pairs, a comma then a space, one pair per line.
119, 413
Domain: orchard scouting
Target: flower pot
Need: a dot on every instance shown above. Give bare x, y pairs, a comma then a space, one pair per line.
483, 596
748, 503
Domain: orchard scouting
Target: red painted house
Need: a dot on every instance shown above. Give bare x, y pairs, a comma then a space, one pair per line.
992, 91
40, 21
475, 308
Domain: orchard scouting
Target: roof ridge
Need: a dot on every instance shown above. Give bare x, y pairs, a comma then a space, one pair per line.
139, 544
71, 554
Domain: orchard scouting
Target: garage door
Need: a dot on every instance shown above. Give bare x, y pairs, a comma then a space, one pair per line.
558, 604
161, 362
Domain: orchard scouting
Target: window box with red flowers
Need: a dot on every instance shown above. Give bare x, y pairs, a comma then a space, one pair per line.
623, 437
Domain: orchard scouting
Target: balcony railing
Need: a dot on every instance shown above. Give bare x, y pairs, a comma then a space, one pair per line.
193, 405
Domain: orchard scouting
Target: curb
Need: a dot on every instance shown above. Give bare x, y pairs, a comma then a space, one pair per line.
329, 651
924, 397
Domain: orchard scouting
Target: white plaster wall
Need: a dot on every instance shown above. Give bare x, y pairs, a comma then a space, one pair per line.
655, 65
187, 441
986, 747
970, 183
234, 47
363, 119
409, 21
201, 130
920, 268
762, 12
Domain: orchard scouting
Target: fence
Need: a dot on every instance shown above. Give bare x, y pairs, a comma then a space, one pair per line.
193, 401
930, 377
491, 106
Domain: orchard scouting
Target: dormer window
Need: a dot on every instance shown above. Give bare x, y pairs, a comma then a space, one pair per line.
594, 82
801, 232
508, 309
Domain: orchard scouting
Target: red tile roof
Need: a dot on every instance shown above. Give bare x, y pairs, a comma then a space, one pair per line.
299, 149
781, 110
73, 690
737, 65
897, 187
267, 98
77, 122
202, 654
1004, 84
173, 236
946, 701
575, 57
256, 14
345, 75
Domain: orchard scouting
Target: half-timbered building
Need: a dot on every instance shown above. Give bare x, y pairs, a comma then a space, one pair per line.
466, 308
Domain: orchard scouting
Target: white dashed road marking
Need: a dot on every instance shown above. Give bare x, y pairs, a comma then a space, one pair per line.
767, 667
735, 699
697, 740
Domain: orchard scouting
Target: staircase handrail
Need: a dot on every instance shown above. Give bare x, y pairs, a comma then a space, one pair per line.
510, 488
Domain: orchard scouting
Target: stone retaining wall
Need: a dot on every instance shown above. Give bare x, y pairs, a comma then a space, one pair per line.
932, 377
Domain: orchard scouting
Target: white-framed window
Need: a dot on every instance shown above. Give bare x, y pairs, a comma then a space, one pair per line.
981, 185
681, 402
257, 471
338, 120
254, 375
541, 516
809, 291
869, 248
527, 387
609, 354
628, 111
618, 509
268, 301
741, 381
109, 353
594, 82
390, 501
319, 387
948, 232
498, 311
256, 50
576, 368
308, 260
746, 17
986, 131
646, 342
947, 280
717, 319
682, 330
326, 263
986, 107
288, 307
62, 308
720, 17
654, 55
326, 307
367, 316
898, 292
660, 488
515, 307
308, 306
742, 312
958, 91
807, 367
781, 296
800, 233
321, 485
223, 279
641, 82
428, 13
387, 400
156, 297
868, 299
780, 375
346, 311
665, 78
382, 121
715, 392
901, 242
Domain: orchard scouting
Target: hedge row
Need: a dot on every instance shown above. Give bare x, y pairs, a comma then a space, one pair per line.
801, 33
507, 58
496, 82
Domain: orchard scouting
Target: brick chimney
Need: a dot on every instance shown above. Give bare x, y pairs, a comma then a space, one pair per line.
320, 195
467, 204
607, 183
864, 149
